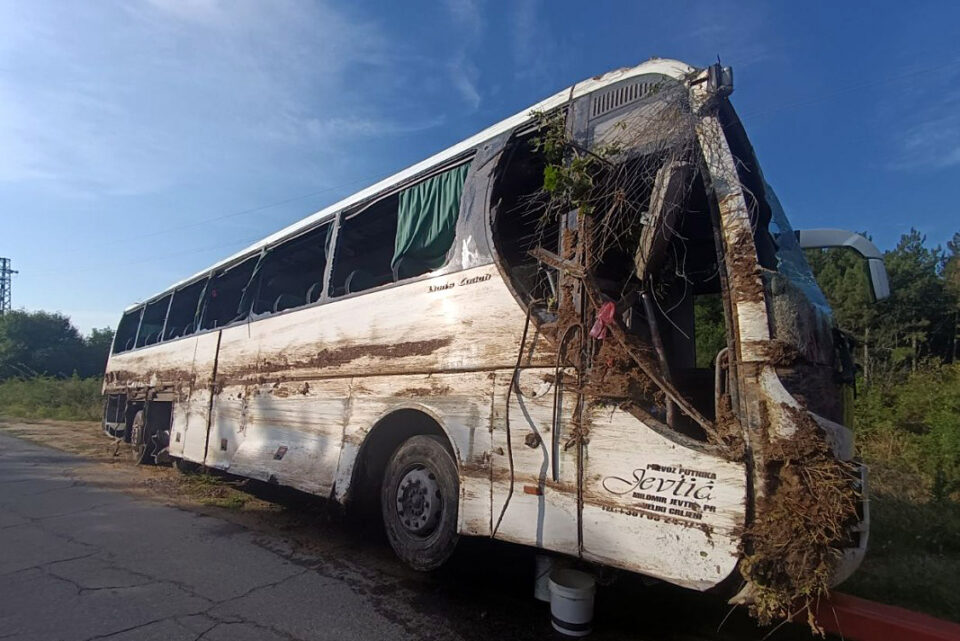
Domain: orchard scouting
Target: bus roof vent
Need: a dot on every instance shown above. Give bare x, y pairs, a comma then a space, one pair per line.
604, 102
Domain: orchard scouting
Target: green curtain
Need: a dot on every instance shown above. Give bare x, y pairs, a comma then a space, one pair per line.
426, 221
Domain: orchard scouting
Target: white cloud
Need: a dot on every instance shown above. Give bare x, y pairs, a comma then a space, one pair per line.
927, 132
538, 58
467, 15
463, 72
739, 38
132, 97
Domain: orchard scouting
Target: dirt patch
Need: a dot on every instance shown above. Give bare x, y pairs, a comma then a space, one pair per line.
728, 429
747, 282
344, 355
781, 353
615, 375
115, 469
118, 379
417, 392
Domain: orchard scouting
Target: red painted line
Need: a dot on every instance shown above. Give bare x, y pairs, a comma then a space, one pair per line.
861, 620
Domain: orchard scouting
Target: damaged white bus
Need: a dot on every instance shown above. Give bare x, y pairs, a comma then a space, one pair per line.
588, 328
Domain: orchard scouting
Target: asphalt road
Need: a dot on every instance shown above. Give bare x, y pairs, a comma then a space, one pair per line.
79, 562
82, 560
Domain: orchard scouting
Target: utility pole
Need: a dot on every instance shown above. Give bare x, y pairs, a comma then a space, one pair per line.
5, 273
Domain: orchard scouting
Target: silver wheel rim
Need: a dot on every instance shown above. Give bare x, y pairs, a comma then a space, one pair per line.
419, 502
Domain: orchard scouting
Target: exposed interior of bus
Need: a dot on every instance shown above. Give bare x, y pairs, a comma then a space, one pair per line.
670, 254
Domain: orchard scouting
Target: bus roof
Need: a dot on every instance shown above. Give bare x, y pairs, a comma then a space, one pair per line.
665, 66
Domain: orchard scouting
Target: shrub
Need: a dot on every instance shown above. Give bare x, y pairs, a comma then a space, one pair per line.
71, 398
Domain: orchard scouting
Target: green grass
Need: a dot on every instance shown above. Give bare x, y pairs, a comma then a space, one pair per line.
214, 491
908, 433
68, 399
913, 556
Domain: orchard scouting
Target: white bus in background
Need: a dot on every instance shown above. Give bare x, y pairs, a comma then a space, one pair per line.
397, 347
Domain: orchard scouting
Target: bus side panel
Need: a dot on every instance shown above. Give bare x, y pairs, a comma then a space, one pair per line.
287, 433
541, 512
460, 403
463, 321
167, 365
268, 424
654, 506
191, 410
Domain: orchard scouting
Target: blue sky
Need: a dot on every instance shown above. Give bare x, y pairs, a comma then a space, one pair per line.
141, 140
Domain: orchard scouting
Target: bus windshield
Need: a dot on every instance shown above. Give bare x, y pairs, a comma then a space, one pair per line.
791, 263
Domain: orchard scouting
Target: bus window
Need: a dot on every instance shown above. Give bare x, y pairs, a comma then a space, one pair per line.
151, 327
127, 331
291, 274
221, 304
365, 246
399, 237
519, 225
183, 310
426, 223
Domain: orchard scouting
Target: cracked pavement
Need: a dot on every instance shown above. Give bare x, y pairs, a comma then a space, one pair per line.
80, 563
83, 556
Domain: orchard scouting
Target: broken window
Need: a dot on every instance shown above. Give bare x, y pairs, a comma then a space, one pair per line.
154, 316
291, 274
181, 320
630, 227
365, 244
518, 210
709, 329
681, 273
224, 292
126, 335
399, 236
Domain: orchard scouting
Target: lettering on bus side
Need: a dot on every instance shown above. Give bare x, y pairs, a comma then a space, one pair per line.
462, 283
674, 491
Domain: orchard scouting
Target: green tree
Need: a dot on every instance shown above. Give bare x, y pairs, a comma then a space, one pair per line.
951, 279
47, 344
914, 321
97, 348
842, 275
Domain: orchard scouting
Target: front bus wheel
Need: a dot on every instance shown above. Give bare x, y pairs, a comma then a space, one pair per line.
419, 502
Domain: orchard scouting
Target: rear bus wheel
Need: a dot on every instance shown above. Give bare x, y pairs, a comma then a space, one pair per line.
138, 437
419, 502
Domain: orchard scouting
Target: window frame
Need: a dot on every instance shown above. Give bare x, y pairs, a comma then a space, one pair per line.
335, 219
114, 349
163, 325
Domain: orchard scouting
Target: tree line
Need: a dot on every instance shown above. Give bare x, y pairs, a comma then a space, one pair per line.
45, 344
919, 322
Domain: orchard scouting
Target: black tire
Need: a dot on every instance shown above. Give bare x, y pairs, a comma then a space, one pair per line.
139, 438
186, 467
419, 499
